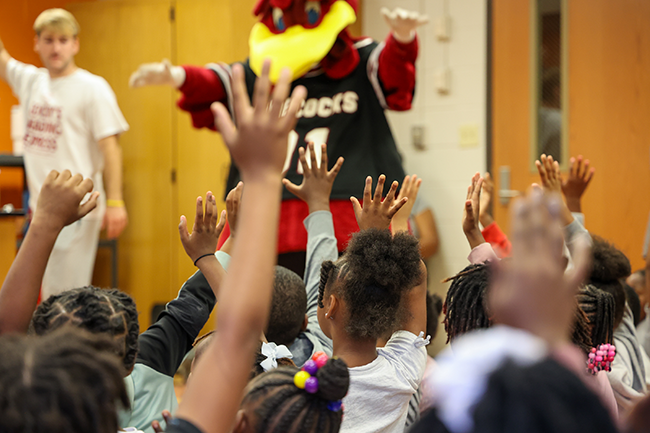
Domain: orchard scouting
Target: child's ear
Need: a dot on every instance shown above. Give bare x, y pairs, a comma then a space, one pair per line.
241, 422
333, 306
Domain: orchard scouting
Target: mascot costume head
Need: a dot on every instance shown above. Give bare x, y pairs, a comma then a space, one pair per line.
300, 34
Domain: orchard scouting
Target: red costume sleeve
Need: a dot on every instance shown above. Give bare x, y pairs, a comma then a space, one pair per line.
201, 88
499, 241
396, 72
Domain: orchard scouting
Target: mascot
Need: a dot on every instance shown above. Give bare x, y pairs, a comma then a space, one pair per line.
350, 82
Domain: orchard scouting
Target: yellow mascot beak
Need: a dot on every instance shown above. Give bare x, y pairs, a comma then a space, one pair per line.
298, 49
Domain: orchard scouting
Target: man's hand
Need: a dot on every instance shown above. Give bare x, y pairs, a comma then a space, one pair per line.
157, 74
471, 212
410, 189
258, 146
375, 212
576, 183
115, 221
59, 201
484, 215
531, 291
317, 182
206, 230
403, 23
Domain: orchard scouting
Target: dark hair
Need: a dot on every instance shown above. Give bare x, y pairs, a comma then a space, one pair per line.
633, 301
598, 306
376, 269
580, 331
434, 309
68, 381
285, 408
465, 306
609, 266
288, 307
99, 311
202, 343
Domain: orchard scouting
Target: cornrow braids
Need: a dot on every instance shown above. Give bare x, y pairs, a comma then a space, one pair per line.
67, 381
598, 306
326, 269
282, 407
580, 331
99, 311
465, 305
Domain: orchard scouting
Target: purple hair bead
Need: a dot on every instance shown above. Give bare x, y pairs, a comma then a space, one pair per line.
310, 367
311, 385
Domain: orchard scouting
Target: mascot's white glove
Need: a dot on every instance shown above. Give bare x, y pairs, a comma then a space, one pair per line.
403, 23
155, 74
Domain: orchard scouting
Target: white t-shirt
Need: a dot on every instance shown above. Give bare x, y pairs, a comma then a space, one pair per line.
65, 118
379, 392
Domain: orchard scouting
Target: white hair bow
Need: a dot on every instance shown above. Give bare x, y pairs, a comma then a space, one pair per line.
272, 352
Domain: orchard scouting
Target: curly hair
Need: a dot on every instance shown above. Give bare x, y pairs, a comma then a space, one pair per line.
68, 381
282, 407
288, 307
465, 306
373, 274
99, 311
610, 265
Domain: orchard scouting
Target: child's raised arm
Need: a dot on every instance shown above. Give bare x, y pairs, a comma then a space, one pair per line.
58, 206
317, 181
577, 182
258, 147
375, 212
471, 212
410, 188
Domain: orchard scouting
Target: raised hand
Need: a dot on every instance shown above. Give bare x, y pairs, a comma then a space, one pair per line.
376, 213
471, 212
484, 215
59, 202
403, 23
157, 74
577, 182
258, 145
531, 291
410, 189
317, 181
233, 199
549, 174
206, 230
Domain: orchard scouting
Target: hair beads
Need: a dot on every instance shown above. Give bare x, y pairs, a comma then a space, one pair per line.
306, 378
601, 358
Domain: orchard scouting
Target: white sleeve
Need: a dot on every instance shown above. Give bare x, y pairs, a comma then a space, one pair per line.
20, 77
106, 119
406, 352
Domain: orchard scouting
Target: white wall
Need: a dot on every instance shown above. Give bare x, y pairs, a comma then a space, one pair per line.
445, 166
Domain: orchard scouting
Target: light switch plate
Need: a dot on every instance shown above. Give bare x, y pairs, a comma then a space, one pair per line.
468, 135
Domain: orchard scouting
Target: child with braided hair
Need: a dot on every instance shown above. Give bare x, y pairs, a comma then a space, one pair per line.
67, 381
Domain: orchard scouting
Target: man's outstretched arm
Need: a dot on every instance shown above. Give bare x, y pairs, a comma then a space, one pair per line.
4, 59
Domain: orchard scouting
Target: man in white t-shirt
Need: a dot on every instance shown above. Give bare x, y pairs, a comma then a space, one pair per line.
72, 122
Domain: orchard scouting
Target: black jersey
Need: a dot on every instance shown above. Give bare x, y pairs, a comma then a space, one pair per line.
348, 115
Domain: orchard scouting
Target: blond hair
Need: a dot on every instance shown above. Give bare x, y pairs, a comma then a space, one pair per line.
56, 19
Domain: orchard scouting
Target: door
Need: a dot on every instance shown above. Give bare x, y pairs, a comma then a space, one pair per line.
606, 96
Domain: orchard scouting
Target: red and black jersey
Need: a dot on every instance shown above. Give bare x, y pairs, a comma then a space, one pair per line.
348, 115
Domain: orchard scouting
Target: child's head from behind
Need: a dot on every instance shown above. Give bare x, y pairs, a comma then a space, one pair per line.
362, 291
99, 311
274, 404
610, 265
465, 307
66, 381
288, 307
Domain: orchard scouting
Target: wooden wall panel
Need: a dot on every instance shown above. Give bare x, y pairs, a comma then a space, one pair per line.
117, 37
609, 104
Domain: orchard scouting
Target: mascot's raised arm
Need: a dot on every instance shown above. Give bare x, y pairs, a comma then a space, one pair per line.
350, 82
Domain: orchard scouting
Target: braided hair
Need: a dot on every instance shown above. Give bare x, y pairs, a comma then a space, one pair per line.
465, 307
598, 306
282, 407
610, 265
373, 274
68, 381
96, 310
580, 331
